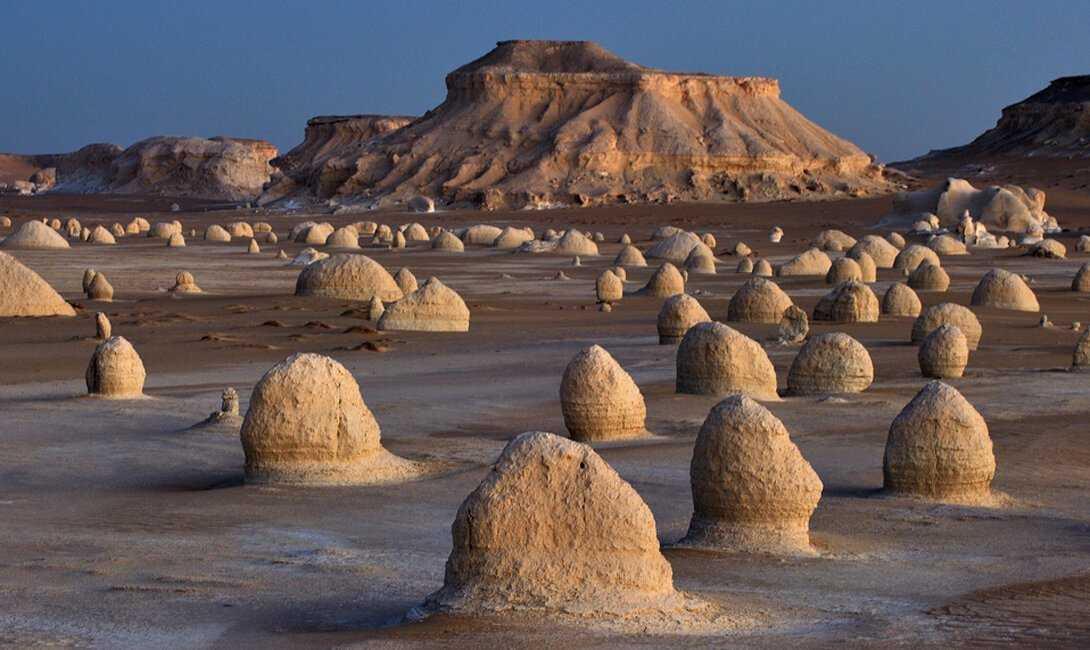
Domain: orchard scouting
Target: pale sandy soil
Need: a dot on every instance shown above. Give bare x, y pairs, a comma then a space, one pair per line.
123, 529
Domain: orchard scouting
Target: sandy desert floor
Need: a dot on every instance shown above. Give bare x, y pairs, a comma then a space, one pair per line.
123, 527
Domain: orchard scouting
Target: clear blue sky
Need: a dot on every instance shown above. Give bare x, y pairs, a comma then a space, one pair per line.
898, 78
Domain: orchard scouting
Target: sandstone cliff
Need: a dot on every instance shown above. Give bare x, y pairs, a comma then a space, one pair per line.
538, 123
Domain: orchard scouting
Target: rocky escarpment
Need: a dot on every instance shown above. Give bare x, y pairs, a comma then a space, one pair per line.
540, 123
1053, 123
326, 157
214, 168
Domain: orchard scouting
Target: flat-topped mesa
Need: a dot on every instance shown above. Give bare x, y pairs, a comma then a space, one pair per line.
553, 123
553, 66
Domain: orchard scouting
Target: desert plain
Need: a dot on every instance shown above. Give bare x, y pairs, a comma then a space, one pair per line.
125, 526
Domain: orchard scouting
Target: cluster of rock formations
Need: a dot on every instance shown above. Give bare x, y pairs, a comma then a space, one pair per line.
213, 168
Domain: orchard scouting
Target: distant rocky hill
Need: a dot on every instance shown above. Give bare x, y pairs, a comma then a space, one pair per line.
1053, 123
541, 123
215, 168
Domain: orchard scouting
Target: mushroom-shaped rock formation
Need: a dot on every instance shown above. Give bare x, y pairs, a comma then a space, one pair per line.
1002, 289
349, 277
599, 399
939, 448
881, 251
164, 230
34, 235
510, 238
406, 281
319, 234
630, 256
830, 363
745, 266
344, 238
415, 232
868, 270
481, 235
576, 243
775, 235
434, 307
1048, 248
947, 313
901, 300
834, 240
944, 353
843, 270
929, 277
848, 302
185, 283
897, 239
100, 288
914, 255
115, 370
762, 269
101, 236
177, 240
1081, 281
608, 287
241, 229
446, 241
809, 262
25, 293
714, 359
514, 538
700, 260
753, 492
676, 248
666, 281
947, 245
758, 300
307, 424
678, 314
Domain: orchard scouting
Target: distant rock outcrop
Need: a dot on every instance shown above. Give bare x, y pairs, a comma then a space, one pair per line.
543, 123
1053, 123
214, 168
325, 159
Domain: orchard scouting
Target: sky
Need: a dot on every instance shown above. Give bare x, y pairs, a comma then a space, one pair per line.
896, 78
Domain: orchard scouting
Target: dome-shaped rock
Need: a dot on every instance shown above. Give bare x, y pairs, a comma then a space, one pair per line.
433, 307
678, 314
599, 400
307, 424
939, 448
349, 277
830, 363
753, 492
714, 359
758, 300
